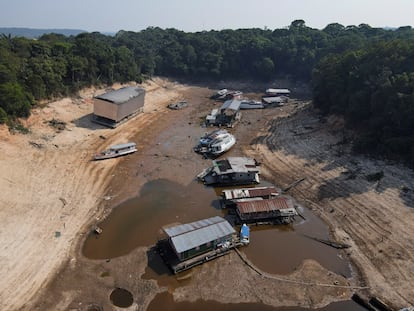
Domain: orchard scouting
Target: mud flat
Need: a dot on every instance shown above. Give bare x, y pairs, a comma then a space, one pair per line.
54, 196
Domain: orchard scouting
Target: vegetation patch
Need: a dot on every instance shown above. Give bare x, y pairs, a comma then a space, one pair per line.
375, 176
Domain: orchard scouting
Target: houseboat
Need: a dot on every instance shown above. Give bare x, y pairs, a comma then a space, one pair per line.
227, 115
187, 245
278, 210
215, 143
231, 196
116, 151
231, 171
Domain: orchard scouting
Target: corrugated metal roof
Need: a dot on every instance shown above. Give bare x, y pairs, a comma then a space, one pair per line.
269, 205
249, 192
232, 104
188, 236
122, 95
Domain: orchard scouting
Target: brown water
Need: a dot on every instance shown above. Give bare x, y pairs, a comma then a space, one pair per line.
274, 249
165, 302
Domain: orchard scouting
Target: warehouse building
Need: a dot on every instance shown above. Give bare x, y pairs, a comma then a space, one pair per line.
115, 107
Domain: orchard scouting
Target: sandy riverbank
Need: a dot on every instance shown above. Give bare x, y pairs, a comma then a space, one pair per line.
52, 192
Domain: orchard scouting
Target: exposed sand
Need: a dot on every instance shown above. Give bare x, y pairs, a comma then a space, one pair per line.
50, 194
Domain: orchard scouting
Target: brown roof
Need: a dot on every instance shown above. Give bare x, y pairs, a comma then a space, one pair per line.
264, 205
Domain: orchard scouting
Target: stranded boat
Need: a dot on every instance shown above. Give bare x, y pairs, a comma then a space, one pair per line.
277, 210
187, 245
116, 151
232, 196
215, 143
231, 171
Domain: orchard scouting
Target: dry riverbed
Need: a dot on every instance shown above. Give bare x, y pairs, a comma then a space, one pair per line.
53, 195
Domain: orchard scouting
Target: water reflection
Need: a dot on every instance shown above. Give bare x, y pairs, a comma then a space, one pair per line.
165, 302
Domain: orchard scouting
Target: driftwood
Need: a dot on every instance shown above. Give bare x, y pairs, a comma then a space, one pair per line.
294, 184
329, 242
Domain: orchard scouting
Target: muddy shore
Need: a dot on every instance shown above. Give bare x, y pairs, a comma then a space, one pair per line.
292, 142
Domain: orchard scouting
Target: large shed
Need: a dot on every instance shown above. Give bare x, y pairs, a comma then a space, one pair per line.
192, 239
115, 107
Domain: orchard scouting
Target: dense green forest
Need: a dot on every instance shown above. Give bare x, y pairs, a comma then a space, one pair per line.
365, 74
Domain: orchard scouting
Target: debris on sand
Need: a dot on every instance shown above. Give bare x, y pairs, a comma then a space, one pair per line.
57, 124
178, 106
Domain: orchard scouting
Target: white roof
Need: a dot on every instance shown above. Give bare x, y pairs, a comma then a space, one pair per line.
279, 91
188, 236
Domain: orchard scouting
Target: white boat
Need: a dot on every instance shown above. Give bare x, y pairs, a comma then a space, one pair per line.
251, 104
116, 151
215, 143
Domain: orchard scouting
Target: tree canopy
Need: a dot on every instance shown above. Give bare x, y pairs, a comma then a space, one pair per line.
365, 74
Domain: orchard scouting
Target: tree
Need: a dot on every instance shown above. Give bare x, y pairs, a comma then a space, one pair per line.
14, 100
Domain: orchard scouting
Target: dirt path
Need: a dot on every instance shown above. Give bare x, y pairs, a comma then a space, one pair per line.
52, 193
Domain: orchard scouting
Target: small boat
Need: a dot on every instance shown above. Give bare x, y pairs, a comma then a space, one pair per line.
251, 104
116, 151
245, 234
215, 143
232, 196
231, 171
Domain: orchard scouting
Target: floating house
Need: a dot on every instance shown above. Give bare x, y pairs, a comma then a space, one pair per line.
227, 115
232, 196
115, 107
188, 245
280, 209
231, 171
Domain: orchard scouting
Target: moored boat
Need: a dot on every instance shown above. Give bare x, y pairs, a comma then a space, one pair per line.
116, 151
245, 234
215, 143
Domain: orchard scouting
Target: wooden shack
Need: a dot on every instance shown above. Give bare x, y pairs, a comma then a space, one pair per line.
115, 107
279, 209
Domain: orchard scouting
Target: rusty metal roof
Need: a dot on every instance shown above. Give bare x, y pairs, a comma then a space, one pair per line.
188, 236
268, 205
